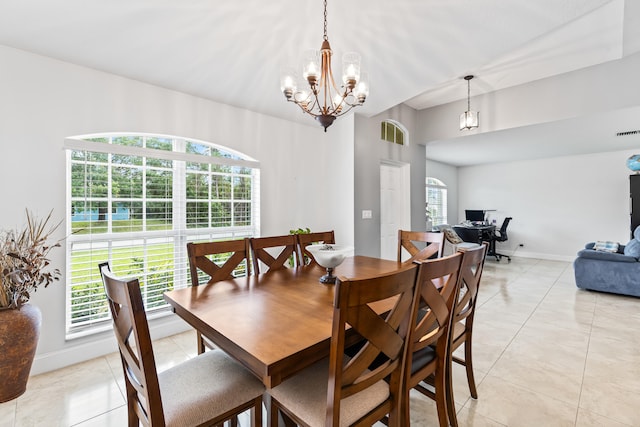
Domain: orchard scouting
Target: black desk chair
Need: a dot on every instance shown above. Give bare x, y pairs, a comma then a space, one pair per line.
499, 236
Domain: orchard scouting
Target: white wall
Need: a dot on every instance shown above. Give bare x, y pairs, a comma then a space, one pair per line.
557, 204
306, 174
371, 151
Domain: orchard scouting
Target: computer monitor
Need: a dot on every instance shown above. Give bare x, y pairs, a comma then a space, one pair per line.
474, 215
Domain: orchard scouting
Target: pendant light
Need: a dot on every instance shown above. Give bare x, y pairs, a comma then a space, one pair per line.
469, 119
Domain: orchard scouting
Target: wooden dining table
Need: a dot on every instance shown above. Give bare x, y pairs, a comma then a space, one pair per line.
276, 323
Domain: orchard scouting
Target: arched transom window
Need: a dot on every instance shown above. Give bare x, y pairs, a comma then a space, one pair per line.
393, 132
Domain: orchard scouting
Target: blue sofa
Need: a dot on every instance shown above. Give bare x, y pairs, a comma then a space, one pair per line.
614, 272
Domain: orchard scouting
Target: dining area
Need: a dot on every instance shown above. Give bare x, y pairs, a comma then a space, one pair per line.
306, 352
527, 311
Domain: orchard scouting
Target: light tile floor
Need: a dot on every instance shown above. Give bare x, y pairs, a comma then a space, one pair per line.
545, 353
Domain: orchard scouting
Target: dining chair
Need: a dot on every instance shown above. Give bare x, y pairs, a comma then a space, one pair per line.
341, 390
303, 240
428, 344
464, 311
407, 240
216, 261
262, 248
208, 389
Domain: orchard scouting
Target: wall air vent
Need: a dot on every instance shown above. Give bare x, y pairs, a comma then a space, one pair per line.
629, 132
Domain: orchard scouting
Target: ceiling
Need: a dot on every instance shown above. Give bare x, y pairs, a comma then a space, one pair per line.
415, 51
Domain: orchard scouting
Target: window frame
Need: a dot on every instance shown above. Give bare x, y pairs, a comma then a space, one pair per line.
396, 129
179, 231
440, 186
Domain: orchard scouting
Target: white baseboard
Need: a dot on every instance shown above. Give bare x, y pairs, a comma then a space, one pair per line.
103, 344
547, 257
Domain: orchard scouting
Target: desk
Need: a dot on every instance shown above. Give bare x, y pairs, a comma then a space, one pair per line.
475, 233
276, 323
478, 234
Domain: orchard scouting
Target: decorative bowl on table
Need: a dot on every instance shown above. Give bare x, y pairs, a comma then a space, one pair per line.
329, 256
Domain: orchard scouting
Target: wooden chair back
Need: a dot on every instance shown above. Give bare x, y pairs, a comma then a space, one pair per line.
285, 244
464, 311
218, 260
385, 338
303, 240
471, 273
438, 285
433, 244
134, 342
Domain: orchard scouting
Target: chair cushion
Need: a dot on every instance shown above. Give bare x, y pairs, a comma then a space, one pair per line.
305, 394
204, 387
466, 245
422, 358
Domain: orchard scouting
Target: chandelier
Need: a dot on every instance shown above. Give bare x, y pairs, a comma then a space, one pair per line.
324, 99
468, 119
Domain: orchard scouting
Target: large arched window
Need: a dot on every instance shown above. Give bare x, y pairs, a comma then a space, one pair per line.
436, 202
135, 200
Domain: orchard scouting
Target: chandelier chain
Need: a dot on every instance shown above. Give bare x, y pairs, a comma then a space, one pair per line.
325, 21
468, 94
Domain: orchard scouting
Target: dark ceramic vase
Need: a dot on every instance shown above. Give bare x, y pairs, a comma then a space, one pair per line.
19, 332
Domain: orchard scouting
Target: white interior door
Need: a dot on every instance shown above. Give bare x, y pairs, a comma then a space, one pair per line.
395, 206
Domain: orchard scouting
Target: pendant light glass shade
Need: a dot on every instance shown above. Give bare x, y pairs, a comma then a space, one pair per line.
469, 119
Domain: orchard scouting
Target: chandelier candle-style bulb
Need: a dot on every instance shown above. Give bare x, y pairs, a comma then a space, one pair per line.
288, 84
302, 98
350, 69
311, 67
324, 99
361, 90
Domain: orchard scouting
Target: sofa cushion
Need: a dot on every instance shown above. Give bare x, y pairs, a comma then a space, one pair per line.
605, 256
605, 276
632, 248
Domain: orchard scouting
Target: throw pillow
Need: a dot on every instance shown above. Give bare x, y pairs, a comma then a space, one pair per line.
606, 246
451, 236
632, 248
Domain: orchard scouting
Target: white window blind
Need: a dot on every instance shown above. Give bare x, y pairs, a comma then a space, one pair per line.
135, 201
